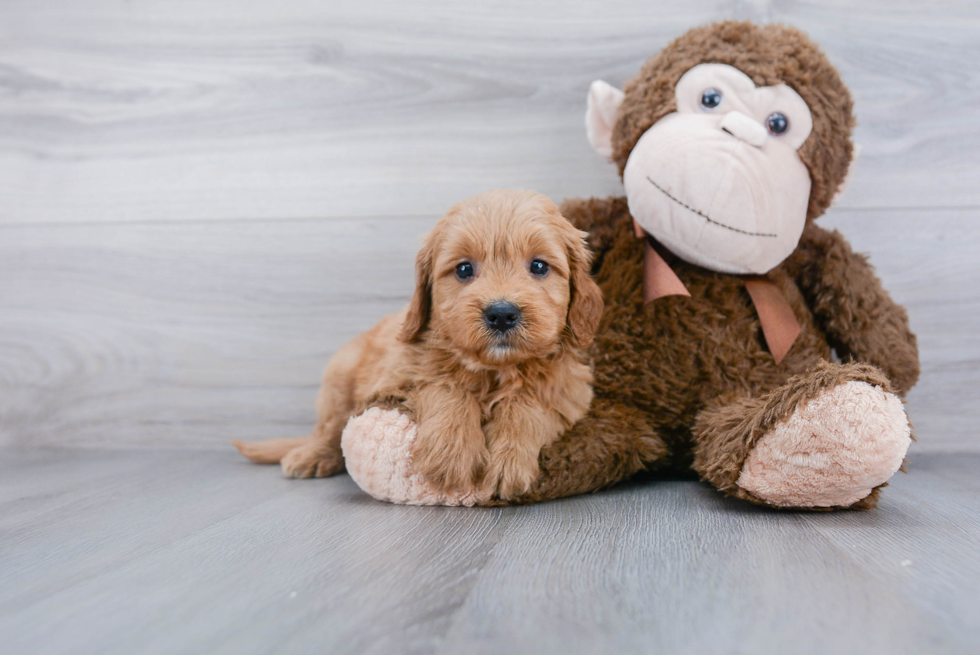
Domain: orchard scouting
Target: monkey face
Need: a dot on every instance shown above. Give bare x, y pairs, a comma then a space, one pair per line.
719, 181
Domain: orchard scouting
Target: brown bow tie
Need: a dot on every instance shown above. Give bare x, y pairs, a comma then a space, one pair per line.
779, 324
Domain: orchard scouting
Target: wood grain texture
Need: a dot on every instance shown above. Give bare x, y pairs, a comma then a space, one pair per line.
222, 109
185, 335
163, 552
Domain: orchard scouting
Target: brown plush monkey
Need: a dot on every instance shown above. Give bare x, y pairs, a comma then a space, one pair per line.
724, 299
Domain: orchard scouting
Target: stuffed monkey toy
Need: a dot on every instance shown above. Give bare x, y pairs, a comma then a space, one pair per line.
725, 301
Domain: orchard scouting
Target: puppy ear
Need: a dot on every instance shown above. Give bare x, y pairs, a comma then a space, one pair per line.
585, 305
420, 306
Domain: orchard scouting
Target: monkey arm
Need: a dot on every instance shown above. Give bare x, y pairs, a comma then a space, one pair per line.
612, 443
603, 218
860, 319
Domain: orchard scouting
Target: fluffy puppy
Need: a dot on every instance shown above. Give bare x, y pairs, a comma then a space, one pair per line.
489, 352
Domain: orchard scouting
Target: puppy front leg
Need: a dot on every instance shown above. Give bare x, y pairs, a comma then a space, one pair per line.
516, 433
450, 450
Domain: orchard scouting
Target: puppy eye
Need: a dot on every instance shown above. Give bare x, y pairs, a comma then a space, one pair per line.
777, 123
464, 271
711, 98
539, 268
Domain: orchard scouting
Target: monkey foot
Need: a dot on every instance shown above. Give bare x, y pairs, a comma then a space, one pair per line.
377, 449
832, 451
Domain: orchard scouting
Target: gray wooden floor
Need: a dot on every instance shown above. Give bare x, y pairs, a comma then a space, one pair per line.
178, 552
201, 200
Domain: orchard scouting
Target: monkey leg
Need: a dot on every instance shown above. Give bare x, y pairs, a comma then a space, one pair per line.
828, 438
612, 443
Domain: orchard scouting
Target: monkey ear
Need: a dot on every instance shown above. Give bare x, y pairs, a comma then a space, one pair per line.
585, 304
420, 306
600, 116
855, 154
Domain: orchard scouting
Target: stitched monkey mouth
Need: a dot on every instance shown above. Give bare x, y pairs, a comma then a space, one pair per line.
706, 217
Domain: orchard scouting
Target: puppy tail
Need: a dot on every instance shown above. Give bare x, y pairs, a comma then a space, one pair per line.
270, 451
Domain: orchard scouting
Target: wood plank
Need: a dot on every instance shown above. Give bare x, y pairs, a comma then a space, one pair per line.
941, 572
200, 552
188, 335
672, 567
298, 109
170, 551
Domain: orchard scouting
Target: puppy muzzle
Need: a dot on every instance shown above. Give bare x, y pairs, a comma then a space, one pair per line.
502, 316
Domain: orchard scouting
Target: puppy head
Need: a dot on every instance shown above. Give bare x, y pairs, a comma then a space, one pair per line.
504, 277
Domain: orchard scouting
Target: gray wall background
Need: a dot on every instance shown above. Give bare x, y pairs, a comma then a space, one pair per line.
201, 200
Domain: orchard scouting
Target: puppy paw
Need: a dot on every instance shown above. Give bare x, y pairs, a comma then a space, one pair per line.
454, 465
511, 473
308, 462
378, 454
832, 451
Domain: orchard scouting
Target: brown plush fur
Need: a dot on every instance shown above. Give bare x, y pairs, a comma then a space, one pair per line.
688, 383
485, 404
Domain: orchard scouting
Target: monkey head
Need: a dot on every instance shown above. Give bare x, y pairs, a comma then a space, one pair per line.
728, 142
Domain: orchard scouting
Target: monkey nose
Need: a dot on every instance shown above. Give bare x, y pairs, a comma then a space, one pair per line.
742, 127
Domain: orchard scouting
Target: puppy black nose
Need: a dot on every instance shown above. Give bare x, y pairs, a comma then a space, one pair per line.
502, 316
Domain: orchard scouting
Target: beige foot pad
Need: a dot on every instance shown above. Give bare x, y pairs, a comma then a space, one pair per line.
832, 451
377, 449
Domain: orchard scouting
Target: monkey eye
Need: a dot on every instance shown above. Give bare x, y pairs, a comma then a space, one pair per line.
777, 123
711, 98
464, 271
539, 268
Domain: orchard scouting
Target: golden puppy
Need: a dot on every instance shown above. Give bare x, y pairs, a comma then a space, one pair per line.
488, 353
